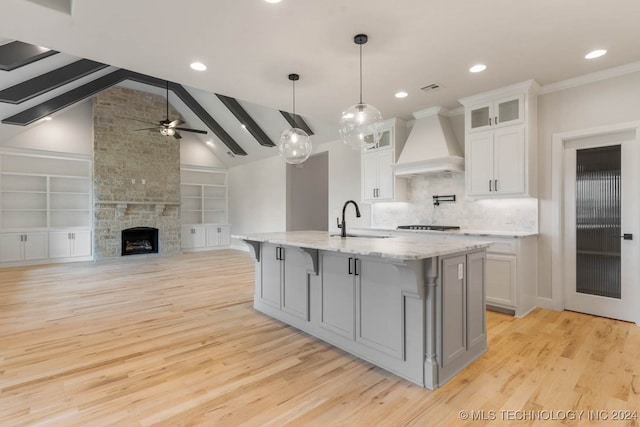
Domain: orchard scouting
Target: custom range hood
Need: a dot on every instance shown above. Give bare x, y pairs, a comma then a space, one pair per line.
431, 146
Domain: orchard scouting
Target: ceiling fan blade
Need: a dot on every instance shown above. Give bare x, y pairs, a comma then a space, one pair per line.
203, 132
153, 128
176, 122
177, 135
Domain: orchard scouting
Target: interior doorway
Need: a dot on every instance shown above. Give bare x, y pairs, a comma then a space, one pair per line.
601, 241
308, 194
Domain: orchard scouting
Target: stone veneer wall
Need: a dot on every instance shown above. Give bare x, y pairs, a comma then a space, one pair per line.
121, 156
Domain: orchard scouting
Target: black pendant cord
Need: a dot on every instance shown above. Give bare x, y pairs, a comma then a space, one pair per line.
360, 74
294, 98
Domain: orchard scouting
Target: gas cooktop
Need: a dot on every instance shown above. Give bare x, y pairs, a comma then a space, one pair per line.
429, 227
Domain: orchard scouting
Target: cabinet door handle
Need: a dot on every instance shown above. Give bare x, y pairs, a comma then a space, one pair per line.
22, 237
350, 261
495, 184
496, 121
374, 192
489, 121
278, 253
490, 185
281, 254
356, 264
25, 237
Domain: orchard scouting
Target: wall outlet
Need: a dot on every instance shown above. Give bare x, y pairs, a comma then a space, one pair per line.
133, 180
143, 182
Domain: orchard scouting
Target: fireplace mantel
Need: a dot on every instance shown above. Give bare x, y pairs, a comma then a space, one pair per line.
121, 206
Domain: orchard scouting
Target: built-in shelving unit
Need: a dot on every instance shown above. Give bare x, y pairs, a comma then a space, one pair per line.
43, 193
203, 193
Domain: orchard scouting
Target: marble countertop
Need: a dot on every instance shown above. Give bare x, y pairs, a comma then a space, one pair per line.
463, 232
403, 248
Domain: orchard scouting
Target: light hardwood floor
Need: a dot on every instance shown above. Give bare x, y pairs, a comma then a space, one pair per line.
175, 341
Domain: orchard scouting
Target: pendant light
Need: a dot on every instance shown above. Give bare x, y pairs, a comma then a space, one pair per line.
295, 144
361, 124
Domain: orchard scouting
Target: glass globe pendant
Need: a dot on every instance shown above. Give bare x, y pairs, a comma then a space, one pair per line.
361, 124
294, 144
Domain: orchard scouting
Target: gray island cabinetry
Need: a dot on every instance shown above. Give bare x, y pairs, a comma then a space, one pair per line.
414, 307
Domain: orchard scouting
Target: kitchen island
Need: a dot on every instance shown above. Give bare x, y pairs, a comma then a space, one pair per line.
415, 307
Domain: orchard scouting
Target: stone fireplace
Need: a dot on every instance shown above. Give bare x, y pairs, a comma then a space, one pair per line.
136, 176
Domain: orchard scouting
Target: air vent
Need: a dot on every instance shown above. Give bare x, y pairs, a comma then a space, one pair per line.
432, 87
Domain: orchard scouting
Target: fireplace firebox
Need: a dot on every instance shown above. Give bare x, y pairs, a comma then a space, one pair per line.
139, 240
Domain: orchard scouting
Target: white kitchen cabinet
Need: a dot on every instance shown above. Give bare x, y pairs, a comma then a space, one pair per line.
500, 142
496, 162
497, 113
393, 135
69, 244
193, 237
377, 180
283, 285
512, 274
15, 247
218, 235
379, 184
205, 237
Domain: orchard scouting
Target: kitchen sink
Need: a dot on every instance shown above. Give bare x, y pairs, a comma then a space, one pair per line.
370, 236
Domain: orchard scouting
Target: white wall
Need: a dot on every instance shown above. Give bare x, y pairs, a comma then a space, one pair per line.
194, 152
70, 131
611, 101
257, 192
344, 184
258, 196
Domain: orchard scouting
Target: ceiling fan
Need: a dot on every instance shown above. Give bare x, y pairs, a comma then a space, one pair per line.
171, 127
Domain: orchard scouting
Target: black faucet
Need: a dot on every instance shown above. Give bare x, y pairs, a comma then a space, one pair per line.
343, 225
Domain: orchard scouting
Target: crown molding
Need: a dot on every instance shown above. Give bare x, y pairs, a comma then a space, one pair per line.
590, 78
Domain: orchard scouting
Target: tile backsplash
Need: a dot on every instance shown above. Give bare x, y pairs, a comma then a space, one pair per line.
487, 214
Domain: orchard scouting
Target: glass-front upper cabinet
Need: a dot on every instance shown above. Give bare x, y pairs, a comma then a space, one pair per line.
386, 138
503, 112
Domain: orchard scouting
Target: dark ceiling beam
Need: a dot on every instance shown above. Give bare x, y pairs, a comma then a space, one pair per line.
52, 105
206, 118
17, 54
297, 122
243, 117
54, 79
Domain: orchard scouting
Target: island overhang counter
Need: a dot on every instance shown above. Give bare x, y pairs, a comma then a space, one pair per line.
412, 306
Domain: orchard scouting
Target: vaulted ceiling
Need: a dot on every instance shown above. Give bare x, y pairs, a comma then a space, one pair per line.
250, 46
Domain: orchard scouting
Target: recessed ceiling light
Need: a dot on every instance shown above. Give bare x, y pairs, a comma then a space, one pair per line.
595, 53
198, 66
48, 118
401, 94
210, 143
477, 68
273, 1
